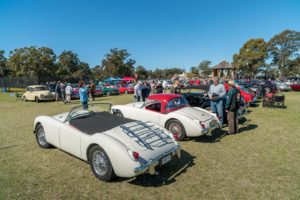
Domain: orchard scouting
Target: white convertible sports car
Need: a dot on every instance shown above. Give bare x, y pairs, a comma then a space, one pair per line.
173, 112
112, 145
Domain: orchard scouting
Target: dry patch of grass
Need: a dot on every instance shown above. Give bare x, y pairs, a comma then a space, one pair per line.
262, 162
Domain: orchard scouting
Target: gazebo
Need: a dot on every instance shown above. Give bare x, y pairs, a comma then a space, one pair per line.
224, 69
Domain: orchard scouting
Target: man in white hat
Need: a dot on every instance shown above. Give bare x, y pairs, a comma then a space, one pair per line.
232, 105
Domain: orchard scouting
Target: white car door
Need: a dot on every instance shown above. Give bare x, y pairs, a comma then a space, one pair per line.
151, 112
70, 139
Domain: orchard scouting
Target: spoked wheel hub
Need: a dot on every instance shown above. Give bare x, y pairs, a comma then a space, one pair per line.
41, 137
99, 163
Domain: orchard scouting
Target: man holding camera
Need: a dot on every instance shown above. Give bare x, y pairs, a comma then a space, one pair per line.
217, 94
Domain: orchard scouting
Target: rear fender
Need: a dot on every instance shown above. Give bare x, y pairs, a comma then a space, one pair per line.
117, 152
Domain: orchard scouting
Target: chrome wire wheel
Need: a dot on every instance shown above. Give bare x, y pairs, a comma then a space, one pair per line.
175, 128
99, 162
41, 137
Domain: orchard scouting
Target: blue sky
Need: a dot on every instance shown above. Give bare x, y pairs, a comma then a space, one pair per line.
157, 33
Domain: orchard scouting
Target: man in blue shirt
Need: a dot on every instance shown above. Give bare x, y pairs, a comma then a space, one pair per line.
83, 94
217, 94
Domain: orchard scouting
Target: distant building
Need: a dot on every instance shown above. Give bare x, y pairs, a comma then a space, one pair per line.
224, 69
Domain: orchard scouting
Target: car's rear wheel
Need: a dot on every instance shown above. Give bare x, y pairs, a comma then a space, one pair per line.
41, 137
176, 128
119, 114
36, 99
100, 164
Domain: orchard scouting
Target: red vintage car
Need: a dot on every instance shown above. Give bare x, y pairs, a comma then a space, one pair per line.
247, 96
295, 86
127, 89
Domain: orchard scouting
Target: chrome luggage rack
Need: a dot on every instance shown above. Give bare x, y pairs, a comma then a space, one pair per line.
143, 135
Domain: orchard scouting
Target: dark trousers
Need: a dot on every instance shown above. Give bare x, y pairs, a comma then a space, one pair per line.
85, 105
232, 122
93, 95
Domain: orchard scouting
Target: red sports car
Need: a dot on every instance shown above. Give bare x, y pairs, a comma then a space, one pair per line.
247, 96
127, 89
295, 86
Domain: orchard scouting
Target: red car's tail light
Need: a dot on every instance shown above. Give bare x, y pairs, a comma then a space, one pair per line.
202, 124
133, 155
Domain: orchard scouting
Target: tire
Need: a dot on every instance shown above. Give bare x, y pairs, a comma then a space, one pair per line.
24, 98
100, 164
108, 93
119, 114
176, 128
41, 137
36, 99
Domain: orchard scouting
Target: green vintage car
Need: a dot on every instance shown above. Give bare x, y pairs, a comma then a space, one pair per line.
110, 90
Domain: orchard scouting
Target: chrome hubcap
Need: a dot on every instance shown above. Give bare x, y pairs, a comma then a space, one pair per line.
99, 163
175, 129
41, 137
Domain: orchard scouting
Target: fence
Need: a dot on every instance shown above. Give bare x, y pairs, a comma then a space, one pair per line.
17, 82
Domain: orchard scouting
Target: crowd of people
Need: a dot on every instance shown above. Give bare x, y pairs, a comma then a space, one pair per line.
225, 105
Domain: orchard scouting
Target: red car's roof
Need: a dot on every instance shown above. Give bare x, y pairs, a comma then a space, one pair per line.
161, 97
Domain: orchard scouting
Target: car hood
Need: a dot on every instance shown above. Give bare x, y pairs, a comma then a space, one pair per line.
144, 137
194, 113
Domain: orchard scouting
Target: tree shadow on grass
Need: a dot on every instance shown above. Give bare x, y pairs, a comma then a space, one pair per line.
167, 173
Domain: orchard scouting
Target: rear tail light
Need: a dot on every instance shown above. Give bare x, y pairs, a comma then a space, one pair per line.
176, 137
202, 124
133, 155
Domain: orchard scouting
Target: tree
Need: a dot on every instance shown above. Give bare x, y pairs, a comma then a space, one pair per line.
83, 72
141, 72
295, 66
116, 63
3, 64
283, 49
194, 71
33, 61
68, 66
250, 57
204, 68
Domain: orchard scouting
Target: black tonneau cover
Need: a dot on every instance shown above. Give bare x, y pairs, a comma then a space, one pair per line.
98, 122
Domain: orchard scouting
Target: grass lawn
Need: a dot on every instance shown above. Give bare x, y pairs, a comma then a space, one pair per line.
262, 162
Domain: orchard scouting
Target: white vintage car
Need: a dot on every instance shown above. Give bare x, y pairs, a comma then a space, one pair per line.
173, 112
38, 93
112, 145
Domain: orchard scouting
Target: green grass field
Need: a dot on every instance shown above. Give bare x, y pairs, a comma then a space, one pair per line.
261, 162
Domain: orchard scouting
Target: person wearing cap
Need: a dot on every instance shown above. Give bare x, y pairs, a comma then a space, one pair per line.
92, 90
137, 91
158, 88
217, 94
232, 105
83, 94
68, 92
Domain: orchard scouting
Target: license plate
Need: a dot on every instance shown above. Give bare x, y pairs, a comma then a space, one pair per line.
166, 159
213, 123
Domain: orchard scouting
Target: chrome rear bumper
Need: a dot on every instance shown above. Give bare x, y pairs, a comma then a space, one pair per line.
152, 163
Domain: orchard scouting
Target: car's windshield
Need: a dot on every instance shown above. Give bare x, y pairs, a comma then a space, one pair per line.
78, 111
40, 88
178, 102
